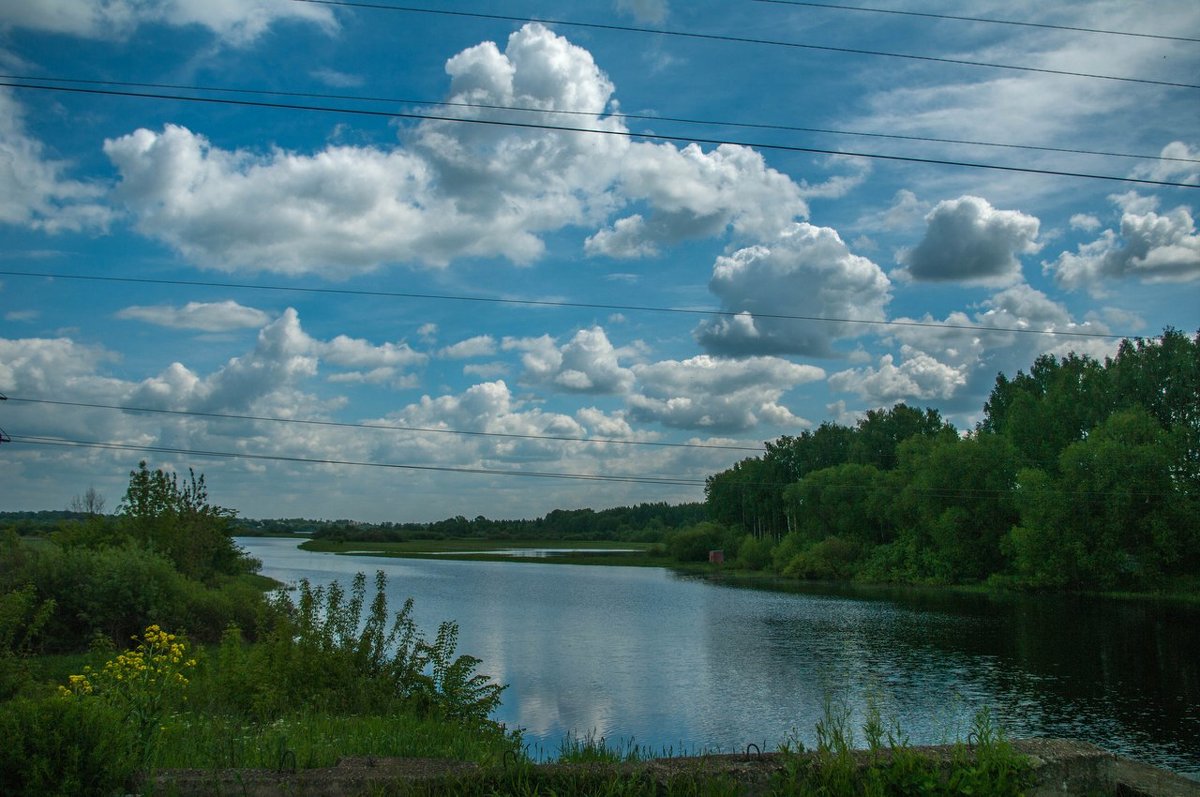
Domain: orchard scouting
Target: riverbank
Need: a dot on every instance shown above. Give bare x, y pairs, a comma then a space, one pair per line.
1048, 767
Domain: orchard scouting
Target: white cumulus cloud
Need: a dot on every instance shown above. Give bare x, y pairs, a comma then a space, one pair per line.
1149, 246
477, 346
588, 363
968, 240
452, 190
718, 394
919, 376
807, 271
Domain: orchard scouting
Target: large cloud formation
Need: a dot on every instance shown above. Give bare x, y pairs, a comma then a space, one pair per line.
457, 188
1150, 246
717, 394
807, 271
968, 240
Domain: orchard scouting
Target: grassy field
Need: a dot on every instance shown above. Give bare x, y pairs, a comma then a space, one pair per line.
581, 552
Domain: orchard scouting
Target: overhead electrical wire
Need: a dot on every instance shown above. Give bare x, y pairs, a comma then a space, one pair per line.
944, 492
988, 20
549, 303
57, 441
598, 113
620, 133
739, 40
384, 427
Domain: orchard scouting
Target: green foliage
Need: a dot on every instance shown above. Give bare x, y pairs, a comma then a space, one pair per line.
119, 591
831, 559
1081, 475
319, 652
645, 522
693, 544
174, 518
1051, 407
56, 746
22, 619
846, 501
452, 684
315, 738
754, 553
1115, 515
954, 505
986, 764
167, 559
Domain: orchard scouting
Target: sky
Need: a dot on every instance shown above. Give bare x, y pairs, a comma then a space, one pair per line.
353, 262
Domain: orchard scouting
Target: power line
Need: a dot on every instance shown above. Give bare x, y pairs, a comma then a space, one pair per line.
936, 492
621, 133
990, 21
383, 427
740, 40
548, 303
569, 129
599, 113
55, 441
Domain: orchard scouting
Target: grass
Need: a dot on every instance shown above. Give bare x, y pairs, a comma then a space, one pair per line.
196, 740
888, 766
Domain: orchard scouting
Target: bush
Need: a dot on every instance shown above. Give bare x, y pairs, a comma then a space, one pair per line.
320, 653
58, 746
831, 558
22, 618
693, 544
754, 553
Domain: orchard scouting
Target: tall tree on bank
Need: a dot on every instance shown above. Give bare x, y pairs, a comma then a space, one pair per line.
1115, 515
175, 519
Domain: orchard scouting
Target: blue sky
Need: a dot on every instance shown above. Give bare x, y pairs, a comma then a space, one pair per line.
519, 288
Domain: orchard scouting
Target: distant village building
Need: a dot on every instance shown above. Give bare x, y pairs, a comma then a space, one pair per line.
716, 557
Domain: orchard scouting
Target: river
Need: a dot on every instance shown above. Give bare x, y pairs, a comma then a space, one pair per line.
670, 663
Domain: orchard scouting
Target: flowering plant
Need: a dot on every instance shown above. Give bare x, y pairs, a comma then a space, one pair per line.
142, 683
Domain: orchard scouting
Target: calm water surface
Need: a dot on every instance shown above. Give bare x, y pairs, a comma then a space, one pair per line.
644, 656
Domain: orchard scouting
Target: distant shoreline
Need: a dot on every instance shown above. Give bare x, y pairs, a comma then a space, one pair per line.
597, 552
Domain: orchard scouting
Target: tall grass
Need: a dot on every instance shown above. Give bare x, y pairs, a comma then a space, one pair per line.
311, 739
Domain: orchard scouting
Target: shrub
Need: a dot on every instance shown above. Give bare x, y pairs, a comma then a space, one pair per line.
318, 652
831, 558
693, 544
57, 746
22, 618
754, 553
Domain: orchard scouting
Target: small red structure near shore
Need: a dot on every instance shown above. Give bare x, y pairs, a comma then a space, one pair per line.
716, 557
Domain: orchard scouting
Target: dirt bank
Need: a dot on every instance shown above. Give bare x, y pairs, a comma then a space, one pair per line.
1060, 767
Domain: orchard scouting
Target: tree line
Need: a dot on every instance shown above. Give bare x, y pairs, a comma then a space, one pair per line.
1081, 474
645, 522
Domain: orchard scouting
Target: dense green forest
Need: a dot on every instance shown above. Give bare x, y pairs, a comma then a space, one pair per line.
1081, 475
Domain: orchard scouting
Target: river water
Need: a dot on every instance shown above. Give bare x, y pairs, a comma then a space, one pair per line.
646, 657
